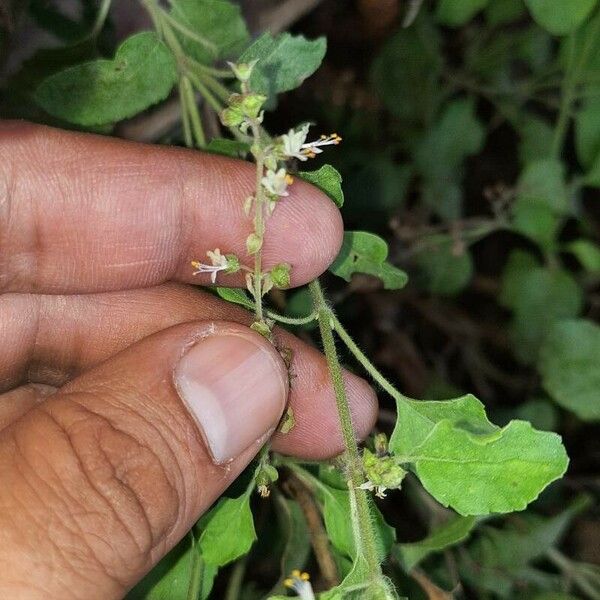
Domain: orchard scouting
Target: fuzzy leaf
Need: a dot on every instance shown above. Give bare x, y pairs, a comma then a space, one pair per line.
440, 154
142, 73
545, 297
560, 17
406, 72
498, 472
235, 296
364, 252
515, 273
284, 62
454, 14
229, 532
445, 536
218, 25
543, 181
328, 180
442, 271
417, 419
570, 367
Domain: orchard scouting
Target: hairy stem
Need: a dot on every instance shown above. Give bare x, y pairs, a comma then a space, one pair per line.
364, 534
362, 358
259, 225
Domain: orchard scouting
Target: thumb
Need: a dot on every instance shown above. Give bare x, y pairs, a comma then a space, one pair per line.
103, 478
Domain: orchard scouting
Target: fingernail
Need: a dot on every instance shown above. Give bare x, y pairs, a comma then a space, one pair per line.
235, 387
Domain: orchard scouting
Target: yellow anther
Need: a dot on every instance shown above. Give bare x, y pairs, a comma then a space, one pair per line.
289, 179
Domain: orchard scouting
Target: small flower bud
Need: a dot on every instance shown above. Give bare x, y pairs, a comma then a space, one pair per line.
231, 117
243, 71
264, 476
248, 202
382, 472
280, 275
380, 442
233, 263
251, 105
253, 243
262, 328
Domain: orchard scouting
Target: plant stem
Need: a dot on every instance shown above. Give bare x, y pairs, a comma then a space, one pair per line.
185, 117
259, 227
291, 320
100, 18
196, 568
194, 115
236, 579
365, 362
566, 100
362, 524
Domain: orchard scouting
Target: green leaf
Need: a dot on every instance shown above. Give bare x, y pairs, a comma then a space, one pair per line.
328, 180
587, 253
359, 585
587, 132
226, 147
455, 13
570, 367
543, 182
545, 297
170, 578
295, 533
560, 17
442, 270
417, 419
364, 252
515, 273
449, 534
235, 296
537, 221
218, 28
406, 72
497, 472
536, 139
284, 62
375, 186
511, 549
336, 512
440, 154
142, 73
229, 531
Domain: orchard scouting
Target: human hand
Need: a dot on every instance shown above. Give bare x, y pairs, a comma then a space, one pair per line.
130, 400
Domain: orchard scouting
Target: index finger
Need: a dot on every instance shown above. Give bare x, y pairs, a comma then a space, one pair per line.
82, 213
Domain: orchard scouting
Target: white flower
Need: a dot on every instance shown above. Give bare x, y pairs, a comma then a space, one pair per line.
370, 486
311, 149
218, 261
293, 141
296, 146
299, 582
276, 182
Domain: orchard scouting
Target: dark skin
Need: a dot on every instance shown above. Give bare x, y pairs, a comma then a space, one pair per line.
103, 468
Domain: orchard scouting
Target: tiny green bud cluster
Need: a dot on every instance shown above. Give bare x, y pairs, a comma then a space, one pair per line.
381, 469
264, 476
